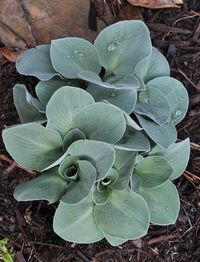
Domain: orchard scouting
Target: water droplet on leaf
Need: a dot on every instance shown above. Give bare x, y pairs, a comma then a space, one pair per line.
178, 113
112, 46
75, 51
68, 56
81, 54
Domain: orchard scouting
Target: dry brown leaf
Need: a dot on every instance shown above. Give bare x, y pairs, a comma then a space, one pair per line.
154, 4
9, 54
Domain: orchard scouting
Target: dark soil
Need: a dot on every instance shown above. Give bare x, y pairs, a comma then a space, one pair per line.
28, 226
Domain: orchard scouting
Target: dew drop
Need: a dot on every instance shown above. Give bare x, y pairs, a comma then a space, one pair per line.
112, 46
113, 94
81, 55
68, 57
178, 113
75, 51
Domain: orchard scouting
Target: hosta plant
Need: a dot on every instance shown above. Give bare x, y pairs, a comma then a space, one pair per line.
101, 133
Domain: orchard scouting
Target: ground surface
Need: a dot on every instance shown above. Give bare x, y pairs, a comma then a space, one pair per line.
28, 226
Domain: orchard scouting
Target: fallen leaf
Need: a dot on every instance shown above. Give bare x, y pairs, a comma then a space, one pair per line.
154, 4
9, 54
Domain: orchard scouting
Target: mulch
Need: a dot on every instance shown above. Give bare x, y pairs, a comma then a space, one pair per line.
28, 226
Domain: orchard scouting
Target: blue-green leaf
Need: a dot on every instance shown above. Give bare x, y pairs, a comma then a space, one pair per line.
122, 98
49, 186
64, 105
36, 62
100, 154
45, 89
72, 55
79, 189
177, 155
152, 103
164, 135
163, 203
133, 140
152, 66
124, 216
28, 107
32, 145
124, 163
75, 223
153, 171
119, 46
93, 123
176, 95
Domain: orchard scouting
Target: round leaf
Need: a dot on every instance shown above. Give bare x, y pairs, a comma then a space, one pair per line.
152, 103
93, 123
72, 136
119, 46
177, 155
164, 135
64, 105
124, 216
49, 186
36, 62
176, 95
45, 89
133, 140
153, 171
75, 223
122, 98
72, 55
153, 66
163, 203
33, 145
124, 163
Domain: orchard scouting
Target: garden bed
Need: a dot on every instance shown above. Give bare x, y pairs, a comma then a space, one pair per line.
28, 226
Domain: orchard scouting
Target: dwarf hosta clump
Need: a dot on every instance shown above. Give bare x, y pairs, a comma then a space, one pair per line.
111, 172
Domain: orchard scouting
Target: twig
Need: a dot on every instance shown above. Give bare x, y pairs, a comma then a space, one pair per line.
82, 256
187, 78
192, 175
162, 238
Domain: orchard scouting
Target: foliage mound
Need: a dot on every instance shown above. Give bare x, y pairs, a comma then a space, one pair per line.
102, 134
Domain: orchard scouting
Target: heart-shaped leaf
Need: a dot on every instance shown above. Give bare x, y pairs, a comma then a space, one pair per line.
153, 66
122, 98
133, 140
45, 89
152, 103
49, 186
164, 135
125, 210
116, 48
72, 55
163, 203
36, 62
176, 95
177, 155
33, 145
75, 223
64, 105
93, 123
153, 171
